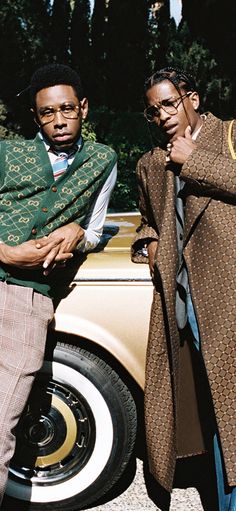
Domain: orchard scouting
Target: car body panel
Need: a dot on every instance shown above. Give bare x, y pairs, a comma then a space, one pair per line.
110, 299
78, 431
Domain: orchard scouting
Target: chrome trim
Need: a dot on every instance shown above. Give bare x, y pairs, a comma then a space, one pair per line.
124, 214
127, 279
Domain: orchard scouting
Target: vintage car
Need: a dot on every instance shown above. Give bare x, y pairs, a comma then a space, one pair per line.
78, 431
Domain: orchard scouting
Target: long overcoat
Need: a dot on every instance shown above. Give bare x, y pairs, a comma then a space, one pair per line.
171, 414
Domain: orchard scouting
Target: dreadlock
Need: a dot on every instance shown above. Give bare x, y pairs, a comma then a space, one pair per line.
178, 77
180, 80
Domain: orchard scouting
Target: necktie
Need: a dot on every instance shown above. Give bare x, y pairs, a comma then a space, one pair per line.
60, 165
179, 211
182, 275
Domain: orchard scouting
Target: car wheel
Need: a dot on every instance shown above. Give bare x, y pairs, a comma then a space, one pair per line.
76, 435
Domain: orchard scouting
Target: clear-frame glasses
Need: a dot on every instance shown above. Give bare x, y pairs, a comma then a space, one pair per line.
170, 106
68, 110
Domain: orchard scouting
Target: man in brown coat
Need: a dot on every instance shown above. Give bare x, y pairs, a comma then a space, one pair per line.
187, 199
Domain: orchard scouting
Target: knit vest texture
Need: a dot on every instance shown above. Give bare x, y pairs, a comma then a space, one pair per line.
33, 205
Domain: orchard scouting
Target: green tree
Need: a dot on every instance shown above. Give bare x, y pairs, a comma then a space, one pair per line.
24, 30
80, 41
215, 23
7, 129
24, 44
194, 56
160, 26
213, 26
59, 31
126, 42
98, 29
128, 133
98, 51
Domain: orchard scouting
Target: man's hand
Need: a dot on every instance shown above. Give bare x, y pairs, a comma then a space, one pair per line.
181, 148
44, 252
151, 248
33, 253
72, 233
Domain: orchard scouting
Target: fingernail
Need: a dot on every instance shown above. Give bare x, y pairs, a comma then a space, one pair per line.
45, 264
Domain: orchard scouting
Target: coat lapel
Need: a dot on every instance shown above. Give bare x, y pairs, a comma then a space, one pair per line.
157, 186
209, 138
161, 188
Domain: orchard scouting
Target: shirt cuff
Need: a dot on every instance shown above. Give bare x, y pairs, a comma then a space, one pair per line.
85, 245
81, 245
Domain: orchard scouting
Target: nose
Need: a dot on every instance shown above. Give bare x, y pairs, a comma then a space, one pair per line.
163, 115
59, 120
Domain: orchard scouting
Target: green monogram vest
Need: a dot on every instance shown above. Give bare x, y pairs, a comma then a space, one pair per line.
32, 204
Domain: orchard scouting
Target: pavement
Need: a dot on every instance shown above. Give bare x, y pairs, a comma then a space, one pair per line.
135, 496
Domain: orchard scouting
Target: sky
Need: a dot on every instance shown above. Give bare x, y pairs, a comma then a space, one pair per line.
175, 9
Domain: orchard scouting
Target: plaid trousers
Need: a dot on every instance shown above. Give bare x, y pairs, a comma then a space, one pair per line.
24, 318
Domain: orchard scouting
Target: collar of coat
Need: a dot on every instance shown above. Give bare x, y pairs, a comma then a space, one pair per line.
210, 140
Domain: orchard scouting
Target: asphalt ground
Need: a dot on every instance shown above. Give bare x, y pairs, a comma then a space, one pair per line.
141, 496
138, 491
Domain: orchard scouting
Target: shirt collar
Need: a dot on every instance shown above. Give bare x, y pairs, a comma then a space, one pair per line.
76, 147
195, 135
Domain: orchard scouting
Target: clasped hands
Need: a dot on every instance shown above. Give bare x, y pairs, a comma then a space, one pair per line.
46, 252
181, 148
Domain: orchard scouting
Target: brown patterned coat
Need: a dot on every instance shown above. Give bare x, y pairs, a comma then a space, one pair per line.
210, 254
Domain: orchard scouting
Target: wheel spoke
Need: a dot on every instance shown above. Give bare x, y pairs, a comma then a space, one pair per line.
60, 437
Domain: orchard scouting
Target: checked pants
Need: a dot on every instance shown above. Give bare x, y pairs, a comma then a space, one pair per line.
24, 318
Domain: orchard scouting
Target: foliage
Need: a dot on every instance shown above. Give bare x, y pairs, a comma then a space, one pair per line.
126, 47
128, 134
194, 57
159, 33
24, 39
114, 50
60, 30
88, 131
80, 41
98, 51
6, 129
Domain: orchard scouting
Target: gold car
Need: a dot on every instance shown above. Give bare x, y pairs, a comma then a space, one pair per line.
79, 428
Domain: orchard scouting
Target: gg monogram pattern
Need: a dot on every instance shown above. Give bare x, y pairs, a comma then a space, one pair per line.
210, 254
28, 198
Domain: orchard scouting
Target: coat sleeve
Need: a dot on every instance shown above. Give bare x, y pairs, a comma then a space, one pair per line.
214, 175
146, 232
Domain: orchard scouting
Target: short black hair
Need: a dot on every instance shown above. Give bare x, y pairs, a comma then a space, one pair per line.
179, 78
54, 74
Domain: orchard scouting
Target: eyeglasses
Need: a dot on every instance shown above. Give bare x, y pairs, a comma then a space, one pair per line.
170, 106
68, 110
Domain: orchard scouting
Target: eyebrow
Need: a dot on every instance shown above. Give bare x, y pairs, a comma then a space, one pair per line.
164, 99
167, 99
68, 102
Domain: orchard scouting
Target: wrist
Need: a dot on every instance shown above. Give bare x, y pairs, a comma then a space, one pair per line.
3, 253
80, 234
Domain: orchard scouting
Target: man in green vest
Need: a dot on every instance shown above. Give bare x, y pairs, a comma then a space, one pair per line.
54, 193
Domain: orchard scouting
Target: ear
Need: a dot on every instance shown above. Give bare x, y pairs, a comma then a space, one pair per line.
35, 117
194, 98
84, 108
